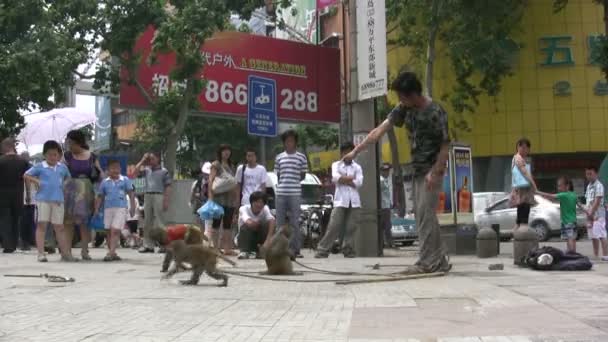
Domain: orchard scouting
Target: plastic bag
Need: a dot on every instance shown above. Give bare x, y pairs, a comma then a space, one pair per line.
96, 221
211, 210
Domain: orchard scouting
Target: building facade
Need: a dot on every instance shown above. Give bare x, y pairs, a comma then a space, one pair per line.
556, 98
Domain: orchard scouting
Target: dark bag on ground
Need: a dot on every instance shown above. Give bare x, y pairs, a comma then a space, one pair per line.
558, 261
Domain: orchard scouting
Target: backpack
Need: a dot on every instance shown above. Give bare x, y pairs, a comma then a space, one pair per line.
561, 261
200, 191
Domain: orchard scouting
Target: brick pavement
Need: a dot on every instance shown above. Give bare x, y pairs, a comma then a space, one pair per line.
127, 301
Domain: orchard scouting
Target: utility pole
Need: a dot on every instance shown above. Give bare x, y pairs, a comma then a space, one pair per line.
363, 121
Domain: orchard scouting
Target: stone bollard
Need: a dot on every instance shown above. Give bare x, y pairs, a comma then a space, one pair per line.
486, 243
524, 240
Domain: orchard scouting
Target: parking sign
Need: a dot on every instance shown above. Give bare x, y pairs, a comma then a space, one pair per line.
262, 106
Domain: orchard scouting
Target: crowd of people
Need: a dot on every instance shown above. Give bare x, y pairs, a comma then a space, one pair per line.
524, 189
68, 191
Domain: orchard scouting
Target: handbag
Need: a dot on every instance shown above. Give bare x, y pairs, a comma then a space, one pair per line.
517, 178
223, 182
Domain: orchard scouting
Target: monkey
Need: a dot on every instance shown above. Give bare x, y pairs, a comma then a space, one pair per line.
191, 235
201, 259
277, 255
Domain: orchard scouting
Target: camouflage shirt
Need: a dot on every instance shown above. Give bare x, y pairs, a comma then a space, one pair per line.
428, 131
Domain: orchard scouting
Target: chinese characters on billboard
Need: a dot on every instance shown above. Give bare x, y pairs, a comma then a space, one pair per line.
307, 76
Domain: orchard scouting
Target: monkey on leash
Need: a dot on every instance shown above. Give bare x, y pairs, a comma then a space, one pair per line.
201, 259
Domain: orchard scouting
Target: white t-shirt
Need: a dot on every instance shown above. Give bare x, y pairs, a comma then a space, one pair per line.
255, 180
245, 214
596, 190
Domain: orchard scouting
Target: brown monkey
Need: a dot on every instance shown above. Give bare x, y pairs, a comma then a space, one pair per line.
277, 255
201, 259
191, 235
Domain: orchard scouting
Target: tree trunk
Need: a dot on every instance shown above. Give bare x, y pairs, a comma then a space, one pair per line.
398, 186
177, 131
430, 53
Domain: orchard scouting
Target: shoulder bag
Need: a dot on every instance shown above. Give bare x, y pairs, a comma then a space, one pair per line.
517, 178
223, 182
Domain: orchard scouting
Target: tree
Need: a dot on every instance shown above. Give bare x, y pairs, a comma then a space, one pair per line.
475, 36
42, 43
182, 26
599, 54
199, 141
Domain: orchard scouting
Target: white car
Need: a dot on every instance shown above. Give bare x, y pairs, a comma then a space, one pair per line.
544, 217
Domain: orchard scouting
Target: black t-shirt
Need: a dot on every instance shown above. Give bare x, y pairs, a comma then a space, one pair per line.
12, 168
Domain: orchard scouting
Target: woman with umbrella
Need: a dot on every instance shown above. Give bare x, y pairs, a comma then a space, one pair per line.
79, 191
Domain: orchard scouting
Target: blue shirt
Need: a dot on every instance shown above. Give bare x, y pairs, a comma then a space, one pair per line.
51, 181
115, 192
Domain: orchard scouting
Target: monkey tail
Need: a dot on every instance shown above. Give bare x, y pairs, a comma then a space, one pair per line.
227, 260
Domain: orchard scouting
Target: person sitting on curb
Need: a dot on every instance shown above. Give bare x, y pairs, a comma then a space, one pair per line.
256, 226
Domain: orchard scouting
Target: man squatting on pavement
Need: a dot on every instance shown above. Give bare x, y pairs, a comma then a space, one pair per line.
427, 125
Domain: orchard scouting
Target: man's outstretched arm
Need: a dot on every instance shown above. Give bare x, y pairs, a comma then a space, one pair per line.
372, 138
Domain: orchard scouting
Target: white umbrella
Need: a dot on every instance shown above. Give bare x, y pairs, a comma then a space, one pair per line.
53, 125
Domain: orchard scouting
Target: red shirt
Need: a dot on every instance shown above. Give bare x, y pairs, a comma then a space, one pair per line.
177, 232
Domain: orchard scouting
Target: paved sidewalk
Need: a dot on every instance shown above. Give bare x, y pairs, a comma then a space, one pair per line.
127, 301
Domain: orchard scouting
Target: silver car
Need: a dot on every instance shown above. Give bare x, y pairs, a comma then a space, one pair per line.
544, 218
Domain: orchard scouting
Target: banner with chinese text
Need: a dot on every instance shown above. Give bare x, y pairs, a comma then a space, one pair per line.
307, 76
371, 48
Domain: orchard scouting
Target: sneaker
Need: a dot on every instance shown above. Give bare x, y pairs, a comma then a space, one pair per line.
42, 258
605, 258
146, 250
162, 250
253, 255
350, 255
321, 255
49, 250
85, 257
108, 258
243, 256
299, 255
115, 257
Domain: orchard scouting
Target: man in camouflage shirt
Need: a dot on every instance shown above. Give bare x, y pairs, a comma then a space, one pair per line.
427, 125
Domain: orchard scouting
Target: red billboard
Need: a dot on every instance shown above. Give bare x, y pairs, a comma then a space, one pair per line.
307, 76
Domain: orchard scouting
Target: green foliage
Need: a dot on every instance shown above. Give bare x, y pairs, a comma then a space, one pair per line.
199, 141
475, 35
42, 42
182, 26
315, 135
559, 5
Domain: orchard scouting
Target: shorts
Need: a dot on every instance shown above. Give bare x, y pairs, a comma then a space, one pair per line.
115, 218
597, 230
568, 231
51, 212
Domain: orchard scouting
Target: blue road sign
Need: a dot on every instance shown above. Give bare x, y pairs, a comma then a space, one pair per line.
262, 106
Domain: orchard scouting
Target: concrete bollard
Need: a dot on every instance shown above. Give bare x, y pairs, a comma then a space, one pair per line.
524, 240
486, 243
